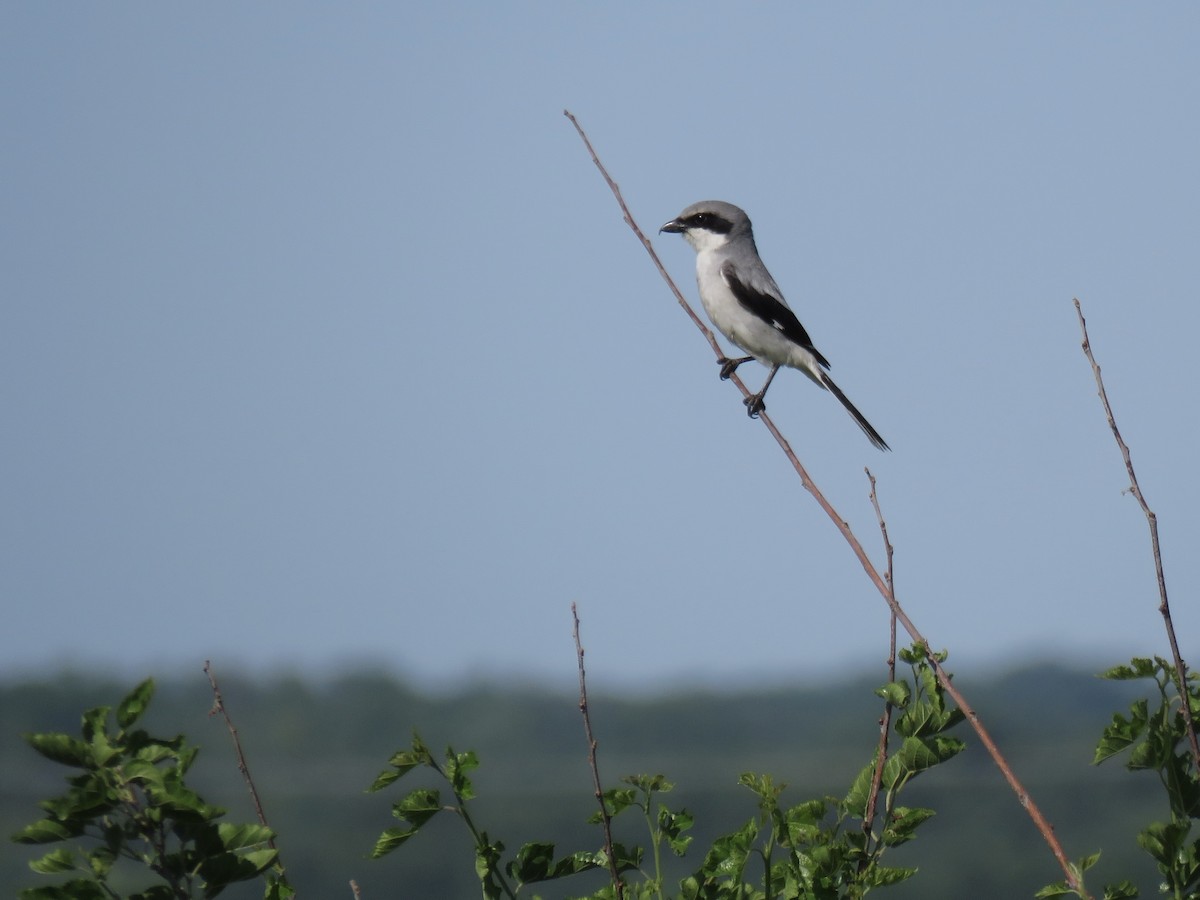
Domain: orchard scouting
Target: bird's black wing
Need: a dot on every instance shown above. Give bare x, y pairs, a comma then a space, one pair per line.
771, 310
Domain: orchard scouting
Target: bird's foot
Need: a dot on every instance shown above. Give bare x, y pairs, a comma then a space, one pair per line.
754, 404
729, 366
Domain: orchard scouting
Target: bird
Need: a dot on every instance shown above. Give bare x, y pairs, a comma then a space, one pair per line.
745, 304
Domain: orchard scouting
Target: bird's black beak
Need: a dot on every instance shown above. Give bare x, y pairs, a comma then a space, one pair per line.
672, 227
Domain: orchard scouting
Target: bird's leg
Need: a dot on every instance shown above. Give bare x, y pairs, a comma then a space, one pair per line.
754, 403
729, 366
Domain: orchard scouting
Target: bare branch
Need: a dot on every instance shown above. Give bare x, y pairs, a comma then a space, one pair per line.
1152, 521
218, 707
885, 721
691, 313
605, 818
1039, 821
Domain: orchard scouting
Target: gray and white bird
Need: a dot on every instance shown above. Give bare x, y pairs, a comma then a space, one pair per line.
744, 302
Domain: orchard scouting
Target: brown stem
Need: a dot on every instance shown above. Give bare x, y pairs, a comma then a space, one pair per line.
1031, 808
885, 721
1152, 521
605, 818
219, 707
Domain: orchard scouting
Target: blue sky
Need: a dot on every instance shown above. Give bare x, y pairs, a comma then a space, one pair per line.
323, 343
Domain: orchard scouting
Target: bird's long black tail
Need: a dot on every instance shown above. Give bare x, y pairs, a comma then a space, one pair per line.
866, 426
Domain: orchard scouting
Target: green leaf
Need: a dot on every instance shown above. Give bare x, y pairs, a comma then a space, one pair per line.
150, 750
535, 862
763, 785
651, 784
803, 822
927, 717
919, 717
95, 722
487, 858
236, 837
917, 755
903, 822
176, 799
101, 860
223, 869
418, 807
457, 767
383, 779
278, 890
673, 825
1139, 667
811, 811
727, 856
75, 889
625, 858
896, 693
390, 840
581, 861
403, 761
1124, 890
144, 772
616, 800
860, 791
1155, 752
882, 876
1058, 889
60, 748
1163, 841
90, 797
130, 709
913, 655
260, 860
45, 831
60, 860
1123, 732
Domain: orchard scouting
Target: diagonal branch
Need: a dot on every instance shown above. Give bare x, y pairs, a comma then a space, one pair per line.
662, 270
1152, 521
1039, 821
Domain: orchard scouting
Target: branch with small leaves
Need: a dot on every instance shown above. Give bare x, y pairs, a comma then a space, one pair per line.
1070, 870
1152, 522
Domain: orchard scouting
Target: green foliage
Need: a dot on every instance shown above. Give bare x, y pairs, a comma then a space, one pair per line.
817, 849
1157, 740
129, 801
534, 862
130, 826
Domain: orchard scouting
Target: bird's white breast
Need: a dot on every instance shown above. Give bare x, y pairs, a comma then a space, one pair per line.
760, 339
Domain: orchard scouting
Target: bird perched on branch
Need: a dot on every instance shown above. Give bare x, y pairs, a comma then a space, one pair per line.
743, 301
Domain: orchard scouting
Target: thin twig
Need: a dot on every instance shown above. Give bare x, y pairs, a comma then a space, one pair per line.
605, 818
1031, 808
219, 707
687, 308
1152, 521
885, 721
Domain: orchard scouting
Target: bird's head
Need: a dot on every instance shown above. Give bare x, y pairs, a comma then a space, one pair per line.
709, 224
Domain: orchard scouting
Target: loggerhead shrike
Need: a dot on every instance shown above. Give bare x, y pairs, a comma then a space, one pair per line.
743, 301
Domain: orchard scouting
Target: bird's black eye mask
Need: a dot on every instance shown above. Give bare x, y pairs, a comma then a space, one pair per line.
709, 222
